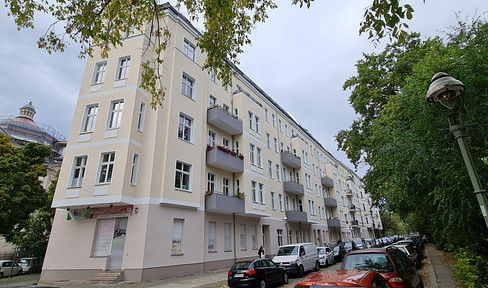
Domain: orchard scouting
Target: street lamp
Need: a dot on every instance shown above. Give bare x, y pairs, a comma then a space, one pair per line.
449, 92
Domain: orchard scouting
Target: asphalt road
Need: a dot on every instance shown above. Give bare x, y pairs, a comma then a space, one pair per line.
25, 280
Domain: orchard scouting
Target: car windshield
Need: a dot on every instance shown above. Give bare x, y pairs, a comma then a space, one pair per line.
241, 266
285, 251
348, 245
358, 242
24, 261
369, 262
321, 250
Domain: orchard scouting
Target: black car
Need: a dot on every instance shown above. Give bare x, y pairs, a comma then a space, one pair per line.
339, 252
256, 273
350, 245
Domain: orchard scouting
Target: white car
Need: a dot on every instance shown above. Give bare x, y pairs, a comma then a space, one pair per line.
29, 264
326, 256
9, 267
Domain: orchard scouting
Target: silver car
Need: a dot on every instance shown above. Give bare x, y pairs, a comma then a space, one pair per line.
326, 256
9, 267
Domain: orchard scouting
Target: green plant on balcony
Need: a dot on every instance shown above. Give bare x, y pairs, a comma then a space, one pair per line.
240, 195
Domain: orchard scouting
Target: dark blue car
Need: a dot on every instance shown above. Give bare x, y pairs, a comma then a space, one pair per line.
256, 273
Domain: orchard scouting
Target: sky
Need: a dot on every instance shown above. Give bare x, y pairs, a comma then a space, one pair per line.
300, 57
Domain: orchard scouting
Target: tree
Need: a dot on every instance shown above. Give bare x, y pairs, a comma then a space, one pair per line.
415, 164
227, 27
21, 192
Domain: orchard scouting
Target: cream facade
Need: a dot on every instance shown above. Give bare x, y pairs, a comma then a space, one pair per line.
194, 185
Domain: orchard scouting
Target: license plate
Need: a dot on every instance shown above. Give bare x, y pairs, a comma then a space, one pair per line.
238, 275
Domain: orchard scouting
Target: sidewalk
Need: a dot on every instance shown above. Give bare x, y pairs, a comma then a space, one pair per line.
440, 271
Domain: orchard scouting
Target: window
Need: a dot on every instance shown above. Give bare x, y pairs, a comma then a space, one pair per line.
183, 176
254, 241
227, 237
253, 191
278, 172
211, 237
279, 232
225, 142
211, 182
140, 118
286, 130
106, 167
280, 199
212, 101
78, 171
279, 124
123, 69
273, 204
185, 125
226, 188
134, 168
261, 193
115, 114
258, 124
259, 158
212, 137
237, 185
276, 144
273, 117
268, 140
89, 118
270, 168
177, 240
187, 86
213, 76
266, 115
251, 154
189, 49
251, 120
242, 229
99, 73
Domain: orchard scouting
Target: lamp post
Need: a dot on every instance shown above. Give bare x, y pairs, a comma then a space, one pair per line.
449, 92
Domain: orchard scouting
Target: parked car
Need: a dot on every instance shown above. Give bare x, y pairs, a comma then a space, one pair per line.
417, 248
390, 262
370, 243
339, 252
360, 243
30, 265
298, 258
411, 254
326, 256
256, 273
9, 267
348, 278
350, 245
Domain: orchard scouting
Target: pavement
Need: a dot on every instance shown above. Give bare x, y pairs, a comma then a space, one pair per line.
440, 275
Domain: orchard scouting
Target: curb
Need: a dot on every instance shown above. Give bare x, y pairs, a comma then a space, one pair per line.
432, 277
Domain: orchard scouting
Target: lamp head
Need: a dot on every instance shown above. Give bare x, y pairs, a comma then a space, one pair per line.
445, 90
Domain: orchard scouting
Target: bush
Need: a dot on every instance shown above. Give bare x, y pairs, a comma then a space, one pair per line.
472, 265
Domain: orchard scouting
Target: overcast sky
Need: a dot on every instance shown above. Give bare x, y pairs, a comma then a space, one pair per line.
299, 57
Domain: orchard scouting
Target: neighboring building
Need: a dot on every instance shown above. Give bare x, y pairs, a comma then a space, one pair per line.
158, 193
23, 129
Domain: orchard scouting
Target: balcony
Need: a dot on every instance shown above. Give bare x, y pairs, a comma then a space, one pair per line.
222, 158
290, 160
330, 202
293, 187
349, 192
334, 222
354, 223
352, 207
327, 182
223, 120
296, 216
220, 203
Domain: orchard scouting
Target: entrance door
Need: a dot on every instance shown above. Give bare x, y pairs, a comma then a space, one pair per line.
118, 244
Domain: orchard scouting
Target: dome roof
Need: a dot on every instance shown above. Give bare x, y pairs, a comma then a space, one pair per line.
29, 107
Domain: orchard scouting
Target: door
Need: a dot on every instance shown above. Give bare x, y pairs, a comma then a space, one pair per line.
118, 244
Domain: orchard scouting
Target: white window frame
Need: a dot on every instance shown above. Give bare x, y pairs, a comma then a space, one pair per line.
212, 138
190, 50
116, 110
273, 204
268, 140
134, 169
106, 166
184, 175
212, 101
177, 236
261, 194
188, 86
280, 199
78, 171
141, 116
259, 157
211, 181
226, 186
99, 72
251, 120
270, 169
242, 234
212, 239
252, 154
254, 191
227, 237
123, 68
184, 125
89, 118
257, 122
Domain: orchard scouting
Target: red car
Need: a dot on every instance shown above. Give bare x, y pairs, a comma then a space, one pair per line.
390, 262
344, 278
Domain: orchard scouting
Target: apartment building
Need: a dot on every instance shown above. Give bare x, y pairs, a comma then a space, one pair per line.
208, 178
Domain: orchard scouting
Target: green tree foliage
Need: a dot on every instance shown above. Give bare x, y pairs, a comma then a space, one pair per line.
21, 192
227, 28
415, 163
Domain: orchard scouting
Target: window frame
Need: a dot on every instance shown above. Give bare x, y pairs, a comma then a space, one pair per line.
89, 119
185, 126
183, 173
188, 86
141, 116
110, 167
114, 117
134, 168
190, 49
96, 72
123, 68
81, 168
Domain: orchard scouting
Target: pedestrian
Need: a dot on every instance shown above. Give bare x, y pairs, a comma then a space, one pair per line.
261, 251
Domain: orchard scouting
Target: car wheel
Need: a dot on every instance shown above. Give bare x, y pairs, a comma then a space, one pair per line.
285, 278
262, 283
19, 273
317, 266
300, 271
1, 275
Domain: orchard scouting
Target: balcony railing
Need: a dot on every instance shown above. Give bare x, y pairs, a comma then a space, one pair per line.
290, 159
296, 216
354, 223
327, 182
218, 117
334, 222
225, 159
293, 187
330, 202
220, 203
